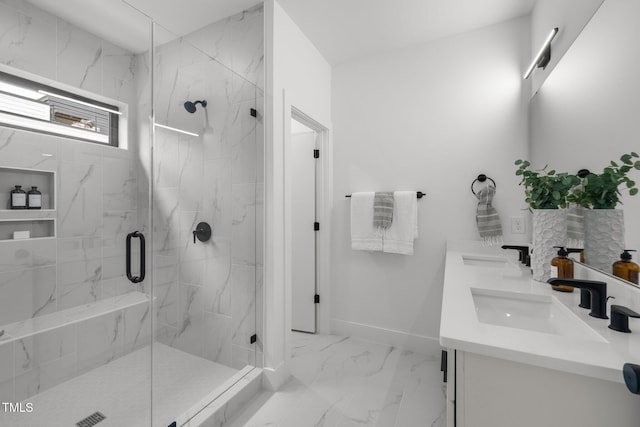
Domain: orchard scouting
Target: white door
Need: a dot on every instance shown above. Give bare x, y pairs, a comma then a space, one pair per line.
303, 234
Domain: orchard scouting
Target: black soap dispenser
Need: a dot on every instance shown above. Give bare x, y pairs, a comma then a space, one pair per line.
34, 199
18, 198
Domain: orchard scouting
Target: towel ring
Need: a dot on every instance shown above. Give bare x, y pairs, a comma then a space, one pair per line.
481, 178
582, 173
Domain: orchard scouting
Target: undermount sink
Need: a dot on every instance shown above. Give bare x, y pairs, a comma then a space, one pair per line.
484, 261
532, 312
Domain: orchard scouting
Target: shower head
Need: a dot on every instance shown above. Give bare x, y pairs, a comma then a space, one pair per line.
191, 106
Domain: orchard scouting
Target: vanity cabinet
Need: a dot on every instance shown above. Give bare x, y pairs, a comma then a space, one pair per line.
450, 378
485, 391
521, 355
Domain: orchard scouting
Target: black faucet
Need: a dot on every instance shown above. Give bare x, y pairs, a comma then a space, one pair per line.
620, 318
574, 250
597, 289
523, 252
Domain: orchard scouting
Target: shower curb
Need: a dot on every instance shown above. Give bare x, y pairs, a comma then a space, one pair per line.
228, 404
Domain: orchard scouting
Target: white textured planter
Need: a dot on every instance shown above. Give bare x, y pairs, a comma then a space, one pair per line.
549, 230
603, 237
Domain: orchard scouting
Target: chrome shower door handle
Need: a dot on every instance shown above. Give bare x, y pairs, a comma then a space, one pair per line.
131, 277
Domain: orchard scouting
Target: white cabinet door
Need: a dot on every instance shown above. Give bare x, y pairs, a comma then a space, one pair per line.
451, 387
493, 392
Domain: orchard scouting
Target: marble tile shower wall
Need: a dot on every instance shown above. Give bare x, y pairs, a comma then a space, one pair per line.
207, 291
97, 204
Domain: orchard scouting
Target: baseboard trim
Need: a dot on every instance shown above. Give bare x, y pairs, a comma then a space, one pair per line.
274, 378
413, 342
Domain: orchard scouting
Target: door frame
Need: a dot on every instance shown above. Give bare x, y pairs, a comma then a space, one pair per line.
323, 210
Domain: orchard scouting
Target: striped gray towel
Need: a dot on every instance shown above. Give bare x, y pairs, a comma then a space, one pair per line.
383, 209
487, 218
575, 226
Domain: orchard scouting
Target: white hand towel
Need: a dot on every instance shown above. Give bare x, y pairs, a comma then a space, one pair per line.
364, 236
399, 237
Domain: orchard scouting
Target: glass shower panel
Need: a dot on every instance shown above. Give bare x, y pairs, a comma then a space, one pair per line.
204, 160
75, 333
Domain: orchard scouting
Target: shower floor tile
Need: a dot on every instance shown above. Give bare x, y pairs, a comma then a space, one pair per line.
340, 381
120, 391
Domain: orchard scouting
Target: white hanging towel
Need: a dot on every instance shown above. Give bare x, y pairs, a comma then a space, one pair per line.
364, 236
399, 237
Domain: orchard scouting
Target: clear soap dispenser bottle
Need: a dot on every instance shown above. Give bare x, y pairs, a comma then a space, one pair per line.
625, 268
562, 267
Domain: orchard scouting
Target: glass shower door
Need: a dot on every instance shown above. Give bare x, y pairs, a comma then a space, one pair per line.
75, 108
206, 192
109, 122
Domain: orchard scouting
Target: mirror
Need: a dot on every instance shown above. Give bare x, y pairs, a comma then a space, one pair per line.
588, 111
570, 17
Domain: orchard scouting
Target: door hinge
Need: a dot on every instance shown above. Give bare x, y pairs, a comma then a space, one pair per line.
253, 339
443, 365
316, 299
316, 226
316, 154
254, 112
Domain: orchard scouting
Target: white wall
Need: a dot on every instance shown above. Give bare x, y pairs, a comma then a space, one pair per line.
427, 118
298, 75
588, 111
570, 16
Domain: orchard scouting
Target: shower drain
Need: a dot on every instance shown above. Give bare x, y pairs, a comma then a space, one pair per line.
91, 420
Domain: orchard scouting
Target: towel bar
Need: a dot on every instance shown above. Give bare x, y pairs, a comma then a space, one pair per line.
419, 194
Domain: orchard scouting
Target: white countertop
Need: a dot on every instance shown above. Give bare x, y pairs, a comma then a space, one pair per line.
460, 328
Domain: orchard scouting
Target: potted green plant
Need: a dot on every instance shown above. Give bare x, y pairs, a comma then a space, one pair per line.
602, 191
546, 193
600, 195
545, 189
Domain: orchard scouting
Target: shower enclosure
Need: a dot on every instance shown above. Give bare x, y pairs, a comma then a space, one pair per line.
116, 306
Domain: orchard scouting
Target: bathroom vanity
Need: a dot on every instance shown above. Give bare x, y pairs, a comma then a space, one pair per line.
521, 354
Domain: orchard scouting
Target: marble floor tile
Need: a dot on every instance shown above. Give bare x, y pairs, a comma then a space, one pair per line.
343, 382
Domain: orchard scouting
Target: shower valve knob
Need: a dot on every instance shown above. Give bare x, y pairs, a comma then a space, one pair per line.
202, 232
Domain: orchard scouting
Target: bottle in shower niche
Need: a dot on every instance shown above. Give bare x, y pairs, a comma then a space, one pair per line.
18, 198
34, 199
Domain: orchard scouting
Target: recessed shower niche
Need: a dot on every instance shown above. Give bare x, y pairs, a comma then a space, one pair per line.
39, 223
27, 178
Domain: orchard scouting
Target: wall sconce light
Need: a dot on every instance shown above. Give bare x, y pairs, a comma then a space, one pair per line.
544, 55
